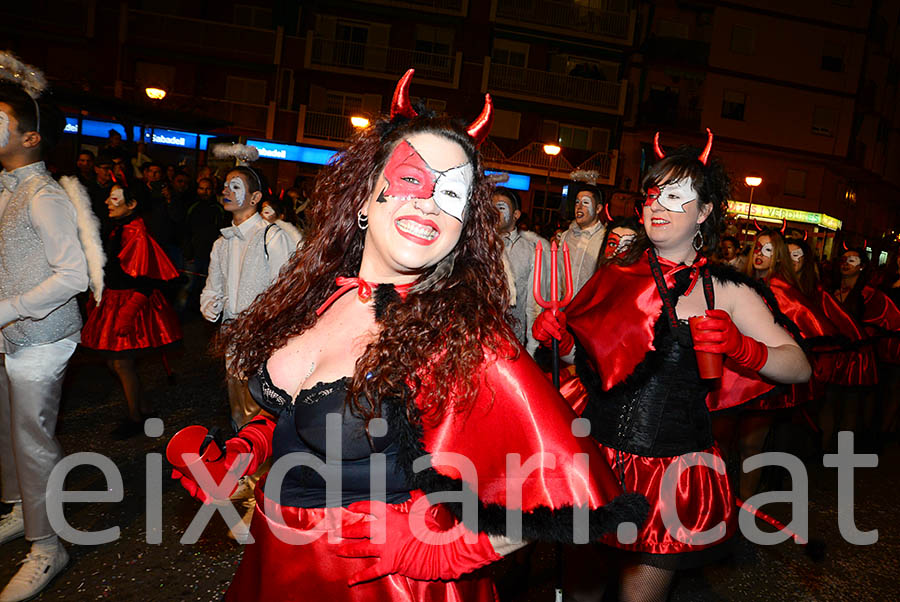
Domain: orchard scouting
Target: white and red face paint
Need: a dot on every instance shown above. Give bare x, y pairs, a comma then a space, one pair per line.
797, 255
238, 189
617, 243
766, 249
410, 177
672, 196
851, 260
116, 197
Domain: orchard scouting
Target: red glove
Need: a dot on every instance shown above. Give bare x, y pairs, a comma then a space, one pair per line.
127, 313
414, 546
551, 325
716, 333
243, 455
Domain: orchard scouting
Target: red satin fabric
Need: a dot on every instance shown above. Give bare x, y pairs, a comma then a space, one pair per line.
702, 499
880, 311
305, 565
154, 325
142, 256
623, 300
517, 411
852, 368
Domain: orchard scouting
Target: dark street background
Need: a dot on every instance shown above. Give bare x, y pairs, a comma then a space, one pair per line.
131, 569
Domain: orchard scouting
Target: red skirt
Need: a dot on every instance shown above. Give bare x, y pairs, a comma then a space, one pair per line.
292, 560
154, 325
689, 519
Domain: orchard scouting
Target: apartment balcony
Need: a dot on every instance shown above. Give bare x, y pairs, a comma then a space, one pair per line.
531, 159
458, 8
385, 62
202, 37
325, 126
606, 20
554, 88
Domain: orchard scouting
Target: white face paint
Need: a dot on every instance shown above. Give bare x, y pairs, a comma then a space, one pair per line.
853, 260
797, 255
4, 129
452, 189
673, 196
766, 250
586, 202
236, 186
268, 213
117, 197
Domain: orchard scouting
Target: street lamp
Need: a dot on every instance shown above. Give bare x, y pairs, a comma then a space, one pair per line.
752, 182
551, 150
154, 93
359, 121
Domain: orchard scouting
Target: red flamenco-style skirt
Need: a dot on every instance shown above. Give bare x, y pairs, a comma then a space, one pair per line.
154, 325
700, 498
291, 560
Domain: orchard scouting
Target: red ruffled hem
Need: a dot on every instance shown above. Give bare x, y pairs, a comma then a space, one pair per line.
154, 325
700, 499
293, 560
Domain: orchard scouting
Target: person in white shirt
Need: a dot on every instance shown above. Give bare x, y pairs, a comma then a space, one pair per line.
585, 235
519, 247
42, 267
244, 261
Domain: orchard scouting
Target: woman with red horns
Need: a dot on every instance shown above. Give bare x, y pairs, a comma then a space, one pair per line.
387, 373
635, 355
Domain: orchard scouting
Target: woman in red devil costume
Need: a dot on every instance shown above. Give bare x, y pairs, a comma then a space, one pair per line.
855, 370
881, 319
133, 317
383, 349
770, 262
636, 358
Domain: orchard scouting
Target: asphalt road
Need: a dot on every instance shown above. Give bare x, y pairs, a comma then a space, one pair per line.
132, 569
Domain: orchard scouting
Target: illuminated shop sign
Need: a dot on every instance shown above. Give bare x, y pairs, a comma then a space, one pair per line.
515, 181
97, 129
776, 214
293, 152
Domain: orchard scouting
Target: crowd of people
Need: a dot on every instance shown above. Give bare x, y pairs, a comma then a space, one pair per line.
403, 300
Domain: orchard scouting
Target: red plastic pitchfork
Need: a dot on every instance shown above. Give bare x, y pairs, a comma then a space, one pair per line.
555, 302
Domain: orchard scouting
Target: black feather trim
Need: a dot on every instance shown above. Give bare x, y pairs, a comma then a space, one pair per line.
385, 295
541, 524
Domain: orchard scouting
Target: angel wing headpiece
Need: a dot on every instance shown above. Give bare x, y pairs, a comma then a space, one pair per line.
244, 155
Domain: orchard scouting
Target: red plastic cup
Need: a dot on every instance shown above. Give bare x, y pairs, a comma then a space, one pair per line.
189, 440
709, 364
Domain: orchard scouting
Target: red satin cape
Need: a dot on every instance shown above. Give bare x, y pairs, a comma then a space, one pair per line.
291, 560
857, 367
517, 411
880, 314
613, 318
142, 256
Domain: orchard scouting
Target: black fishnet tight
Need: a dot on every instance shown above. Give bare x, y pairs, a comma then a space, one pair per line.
644, 583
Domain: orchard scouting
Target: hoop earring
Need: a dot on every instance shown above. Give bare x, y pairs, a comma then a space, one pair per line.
362, 220
697, 245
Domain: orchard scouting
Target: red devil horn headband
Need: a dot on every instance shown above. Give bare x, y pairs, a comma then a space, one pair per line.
783, 225
401, 105
703, 157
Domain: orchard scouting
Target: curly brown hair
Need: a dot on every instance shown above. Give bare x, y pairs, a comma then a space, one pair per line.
451, 316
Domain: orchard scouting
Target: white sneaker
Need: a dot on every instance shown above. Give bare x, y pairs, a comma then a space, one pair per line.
12, 525
38, 569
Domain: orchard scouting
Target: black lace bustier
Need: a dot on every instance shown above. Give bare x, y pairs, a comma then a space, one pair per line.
661, 412
301, 428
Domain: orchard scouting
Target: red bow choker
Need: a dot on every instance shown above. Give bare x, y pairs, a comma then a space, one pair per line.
365, 289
